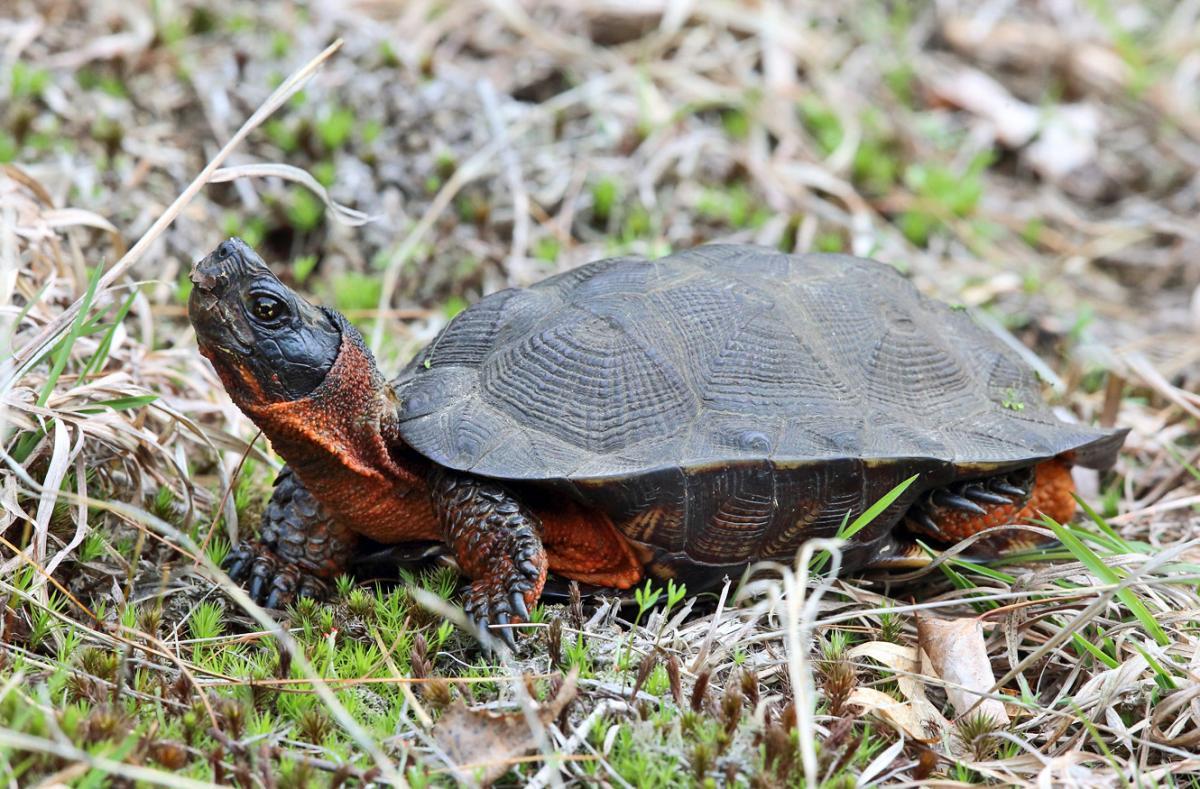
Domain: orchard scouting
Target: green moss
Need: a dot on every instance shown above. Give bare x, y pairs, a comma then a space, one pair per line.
736, 123
942, 192
325, 173
547, 248
302, 267
355, 291
1031, 233
605, 194
305, 210
829, 242
251, 229
453, 306
27, 82
821, 123
733, 205
387, 55
281, 44
282, 134
8, 147
334, 127
900, 81
370, 131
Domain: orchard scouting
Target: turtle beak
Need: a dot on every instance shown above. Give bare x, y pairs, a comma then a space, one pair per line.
231, 260
214, 305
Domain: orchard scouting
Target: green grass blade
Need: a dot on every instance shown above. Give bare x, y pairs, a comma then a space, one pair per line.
849, 528
63, 352
25, 311
1103, 526
101, 356
1096, 565
119, 403
872, 512
1094, 651
990, 573
1165, 680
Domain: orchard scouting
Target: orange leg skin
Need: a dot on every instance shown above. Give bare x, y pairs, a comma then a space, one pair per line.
1051, 496
497, 542
584, 546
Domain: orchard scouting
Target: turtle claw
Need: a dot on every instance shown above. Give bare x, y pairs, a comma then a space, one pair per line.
237, 563
1003, 486
270, 582
1018, 484
261, 572
943, 498
990, 498
981, 494
510, 641
927, 524
518, 605
487, 606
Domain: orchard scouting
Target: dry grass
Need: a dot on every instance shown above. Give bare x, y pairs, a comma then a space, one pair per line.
1036, 162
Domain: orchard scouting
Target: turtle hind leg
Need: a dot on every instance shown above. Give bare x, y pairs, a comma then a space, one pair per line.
957, 511
583, 545
300, 548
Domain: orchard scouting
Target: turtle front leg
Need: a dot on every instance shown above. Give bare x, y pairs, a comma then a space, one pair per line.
300, 548
497, 542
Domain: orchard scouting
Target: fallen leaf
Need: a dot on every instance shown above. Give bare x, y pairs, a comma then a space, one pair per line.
899, 714
481, 744
1014, 121
958, 653
917, 716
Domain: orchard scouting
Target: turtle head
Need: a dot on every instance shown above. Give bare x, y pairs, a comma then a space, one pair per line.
267, 343
304, 375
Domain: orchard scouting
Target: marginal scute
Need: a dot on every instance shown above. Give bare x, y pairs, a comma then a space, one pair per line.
434, 391
741, 508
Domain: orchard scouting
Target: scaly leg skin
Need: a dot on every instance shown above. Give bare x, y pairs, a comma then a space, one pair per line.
299, 550
497, 542
960, 510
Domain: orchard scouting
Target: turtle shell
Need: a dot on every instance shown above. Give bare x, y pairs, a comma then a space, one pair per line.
724, 402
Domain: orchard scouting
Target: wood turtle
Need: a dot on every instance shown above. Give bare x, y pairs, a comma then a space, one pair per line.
681, 417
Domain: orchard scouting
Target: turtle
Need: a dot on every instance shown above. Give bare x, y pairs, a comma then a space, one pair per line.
679, 418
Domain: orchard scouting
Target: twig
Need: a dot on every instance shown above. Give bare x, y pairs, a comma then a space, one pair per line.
12, 369
512, 172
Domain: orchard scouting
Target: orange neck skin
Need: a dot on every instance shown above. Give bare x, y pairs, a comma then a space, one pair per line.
341, 441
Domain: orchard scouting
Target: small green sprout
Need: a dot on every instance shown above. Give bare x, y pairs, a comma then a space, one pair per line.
605, 194
1012, 400
207, 620
334, 127
305, 210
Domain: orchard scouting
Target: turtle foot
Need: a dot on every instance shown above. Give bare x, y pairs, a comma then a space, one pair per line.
497, 541
504, 601
958, 511
270, 581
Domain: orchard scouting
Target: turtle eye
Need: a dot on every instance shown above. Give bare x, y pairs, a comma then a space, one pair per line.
268, 308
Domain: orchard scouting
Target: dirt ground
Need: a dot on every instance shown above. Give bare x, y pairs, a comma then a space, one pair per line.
1035, 162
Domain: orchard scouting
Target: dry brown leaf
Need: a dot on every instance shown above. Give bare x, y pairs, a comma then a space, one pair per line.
958, 653
900, 714
918, 717
482, 744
